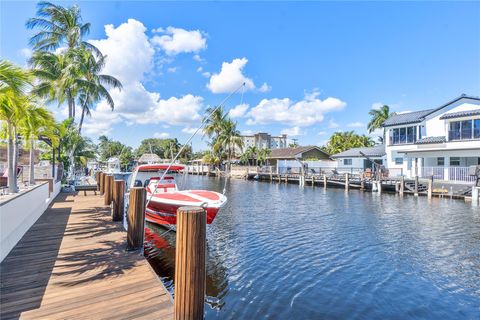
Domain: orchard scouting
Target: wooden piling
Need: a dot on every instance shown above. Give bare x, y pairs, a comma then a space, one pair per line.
97, 179
346, 181
402, 185
325, 181
190, 263
107, 192
362, 184
102, 182
416, 187
313, 181
430, 189
118, 200
136, 218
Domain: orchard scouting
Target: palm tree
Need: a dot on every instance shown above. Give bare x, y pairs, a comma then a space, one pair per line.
214, 120
92, 85
13, 83
61, 27
341, 141
263, 155
378, 117
37, 121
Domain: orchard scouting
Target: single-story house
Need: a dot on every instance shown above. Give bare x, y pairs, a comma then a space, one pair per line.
292, 159
360, 158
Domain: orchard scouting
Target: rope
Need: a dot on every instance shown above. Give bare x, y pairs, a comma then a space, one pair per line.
204, 121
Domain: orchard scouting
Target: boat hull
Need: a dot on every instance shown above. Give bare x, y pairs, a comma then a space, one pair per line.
166, 214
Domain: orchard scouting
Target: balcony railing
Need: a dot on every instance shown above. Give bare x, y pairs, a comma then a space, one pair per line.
456, 174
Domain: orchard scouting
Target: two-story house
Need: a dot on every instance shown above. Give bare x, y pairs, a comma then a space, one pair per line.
441, 142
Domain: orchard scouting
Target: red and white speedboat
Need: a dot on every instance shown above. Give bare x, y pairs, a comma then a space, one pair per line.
164, 198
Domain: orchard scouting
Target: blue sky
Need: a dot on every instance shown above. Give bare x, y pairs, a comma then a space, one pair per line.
311, 68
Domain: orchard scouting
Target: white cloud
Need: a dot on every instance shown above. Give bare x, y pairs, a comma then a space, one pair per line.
230, 77
200, 69
161, 135
303, 113
129, 58
265, 87
206, 74
198, 58
377, 105
238, 111
177, 40
26, 53
322, 133
248, 133
357, 124
172, 69
189, 130
332, 124
293, 131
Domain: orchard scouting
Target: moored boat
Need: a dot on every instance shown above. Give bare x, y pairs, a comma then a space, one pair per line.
164, 197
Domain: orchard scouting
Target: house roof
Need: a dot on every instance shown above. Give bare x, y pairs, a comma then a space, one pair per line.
419, 116
291, 153
375, 151
427, 140
460, 114
149, 158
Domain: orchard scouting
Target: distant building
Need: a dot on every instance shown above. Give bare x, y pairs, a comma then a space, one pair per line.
263, 140
361, 158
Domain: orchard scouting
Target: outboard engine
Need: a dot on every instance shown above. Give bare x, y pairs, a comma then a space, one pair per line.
475, 171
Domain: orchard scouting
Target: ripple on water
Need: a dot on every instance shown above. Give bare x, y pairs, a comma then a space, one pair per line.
278, 251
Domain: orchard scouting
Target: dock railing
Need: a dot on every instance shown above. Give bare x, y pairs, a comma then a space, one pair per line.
452, 174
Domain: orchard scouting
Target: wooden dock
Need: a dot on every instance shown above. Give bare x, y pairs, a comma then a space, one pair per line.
72, 264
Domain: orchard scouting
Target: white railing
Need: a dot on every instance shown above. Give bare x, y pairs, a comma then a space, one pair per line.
454, 174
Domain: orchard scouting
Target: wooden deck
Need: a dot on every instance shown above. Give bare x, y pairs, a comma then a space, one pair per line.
72, 264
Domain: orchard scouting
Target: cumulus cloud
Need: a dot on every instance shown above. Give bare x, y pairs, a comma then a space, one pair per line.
130, 57
332, 124
161, 135
198, 58
230, 77
302, 113
189, 130
172, 69
357, 124
238, 111
322, 133
293, 131
178, 40
206, 74
265, 87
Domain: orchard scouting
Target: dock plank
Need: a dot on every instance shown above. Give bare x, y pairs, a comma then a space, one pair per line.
72, 264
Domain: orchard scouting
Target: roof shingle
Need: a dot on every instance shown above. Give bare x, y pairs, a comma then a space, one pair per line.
290, 153
375, 151
460, 114
427, 140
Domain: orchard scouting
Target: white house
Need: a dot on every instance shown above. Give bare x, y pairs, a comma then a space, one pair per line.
441, 142
359, 159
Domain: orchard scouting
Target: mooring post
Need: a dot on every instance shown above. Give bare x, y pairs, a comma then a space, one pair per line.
313, 181
430, 188
97, 179
325, 181
136, 218
379, 187
475, 192
190, 263
346, 181
107, 193
102, 182
402, 185
118, 194
362, 184
416, 187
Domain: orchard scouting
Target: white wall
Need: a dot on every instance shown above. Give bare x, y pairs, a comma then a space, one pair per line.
18, 214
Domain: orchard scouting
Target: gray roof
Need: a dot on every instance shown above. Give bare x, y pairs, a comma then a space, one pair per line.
407, 118
460, 114
290, 153
427, 140
375, 151
419, 116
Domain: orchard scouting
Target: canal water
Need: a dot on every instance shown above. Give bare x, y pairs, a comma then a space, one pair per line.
281, 252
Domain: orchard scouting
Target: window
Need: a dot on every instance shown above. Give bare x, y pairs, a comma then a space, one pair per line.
398, 161
464, 130
411, 134
347, 162
455, 161
440, 161
403, 135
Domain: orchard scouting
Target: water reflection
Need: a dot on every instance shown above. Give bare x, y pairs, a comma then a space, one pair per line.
277, 251
160, 252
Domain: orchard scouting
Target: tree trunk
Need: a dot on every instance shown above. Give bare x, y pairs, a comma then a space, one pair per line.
15, 158
32, 162
69, 106
81, 121
73, 108
12, 177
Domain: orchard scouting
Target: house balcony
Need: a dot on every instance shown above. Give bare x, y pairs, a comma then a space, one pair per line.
452, 174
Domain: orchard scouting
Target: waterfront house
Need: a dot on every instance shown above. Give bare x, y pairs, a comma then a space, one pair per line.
441, 142
291, 159
360, 159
